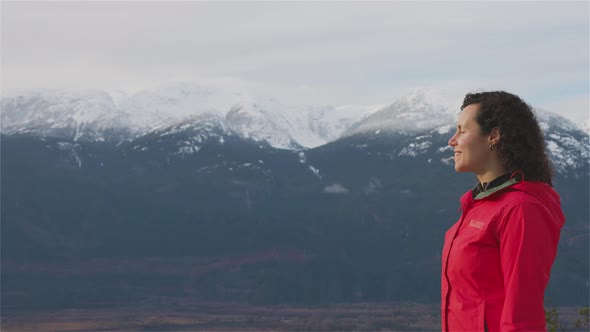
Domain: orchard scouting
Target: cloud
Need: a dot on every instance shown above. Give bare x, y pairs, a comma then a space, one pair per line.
336, 188
575, 108
345, 53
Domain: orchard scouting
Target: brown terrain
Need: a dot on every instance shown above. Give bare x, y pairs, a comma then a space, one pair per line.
166, 314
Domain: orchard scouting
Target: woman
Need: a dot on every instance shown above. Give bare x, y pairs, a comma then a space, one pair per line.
497, 258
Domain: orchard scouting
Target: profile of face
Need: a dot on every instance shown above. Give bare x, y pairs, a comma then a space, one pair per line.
470, 145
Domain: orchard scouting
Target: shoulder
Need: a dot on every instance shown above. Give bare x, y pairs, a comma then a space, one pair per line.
507, 200
527, 193
515, 198
527, 208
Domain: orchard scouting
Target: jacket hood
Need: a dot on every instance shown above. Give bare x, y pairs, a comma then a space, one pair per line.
546, 195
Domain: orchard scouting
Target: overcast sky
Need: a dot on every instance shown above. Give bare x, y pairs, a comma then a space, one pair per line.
305, 52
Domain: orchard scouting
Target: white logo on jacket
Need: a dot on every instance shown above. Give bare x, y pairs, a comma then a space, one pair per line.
476, 223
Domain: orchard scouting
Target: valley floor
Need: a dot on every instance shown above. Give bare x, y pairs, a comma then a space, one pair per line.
167, 314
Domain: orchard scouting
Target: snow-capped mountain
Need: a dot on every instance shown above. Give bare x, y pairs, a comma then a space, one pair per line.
95, 115
419, 111
426, 125
174, 103
568, 145
83, 115
208, 109
186, 137
317, 125
253, 121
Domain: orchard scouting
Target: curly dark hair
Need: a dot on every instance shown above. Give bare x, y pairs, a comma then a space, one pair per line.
521, 145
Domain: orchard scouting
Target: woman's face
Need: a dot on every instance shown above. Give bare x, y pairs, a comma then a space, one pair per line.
472, 153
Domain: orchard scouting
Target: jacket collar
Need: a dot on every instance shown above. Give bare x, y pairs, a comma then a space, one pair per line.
498, 184
486, 189
490, 191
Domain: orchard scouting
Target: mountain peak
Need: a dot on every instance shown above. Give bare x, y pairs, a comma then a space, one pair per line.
84, 114
419, 110
257, 122
426, 96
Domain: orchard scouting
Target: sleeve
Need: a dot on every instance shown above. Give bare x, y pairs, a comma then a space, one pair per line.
528, 245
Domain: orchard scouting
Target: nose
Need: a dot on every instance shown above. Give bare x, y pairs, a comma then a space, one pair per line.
453, 140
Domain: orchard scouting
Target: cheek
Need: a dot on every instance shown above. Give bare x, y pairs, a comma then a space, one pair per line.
477, 151
464, 143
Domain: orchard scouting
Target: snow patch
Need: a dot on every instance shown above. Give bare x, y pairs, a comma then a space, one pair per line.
448, 161
336, 188
302, 158
415, 149
315, 171
70, 153
567, 152
373, 186
444, 129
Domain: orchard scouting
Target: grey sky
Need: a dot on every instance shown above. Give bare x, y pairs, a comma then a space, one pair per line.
306, 52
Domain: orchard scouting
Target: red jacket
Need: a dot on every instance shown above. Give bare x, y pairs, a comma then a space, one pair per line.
497, 258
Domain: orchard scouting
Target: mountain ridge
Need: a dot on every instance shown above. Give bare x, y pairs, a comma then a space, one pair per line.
98, 116
88, 114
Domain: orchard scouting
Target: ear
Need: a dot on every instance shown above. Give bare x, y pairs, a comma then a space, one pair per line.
494, 137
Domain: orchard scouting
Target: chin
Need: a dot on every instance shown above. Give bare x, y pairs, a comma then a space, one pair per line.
460, 169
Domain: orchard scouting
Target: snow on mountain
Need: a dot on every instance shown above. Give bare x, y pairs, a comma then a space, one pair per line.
69, 154
568, 145
424, 115
420, 110
289, 127
251, 116
175, 102
187, 136
99, 116
315, 126
259, 123
551, 121
89, 115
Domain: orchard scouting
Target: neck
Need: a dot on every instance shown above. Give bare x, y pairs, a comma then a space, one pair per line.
490, 174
